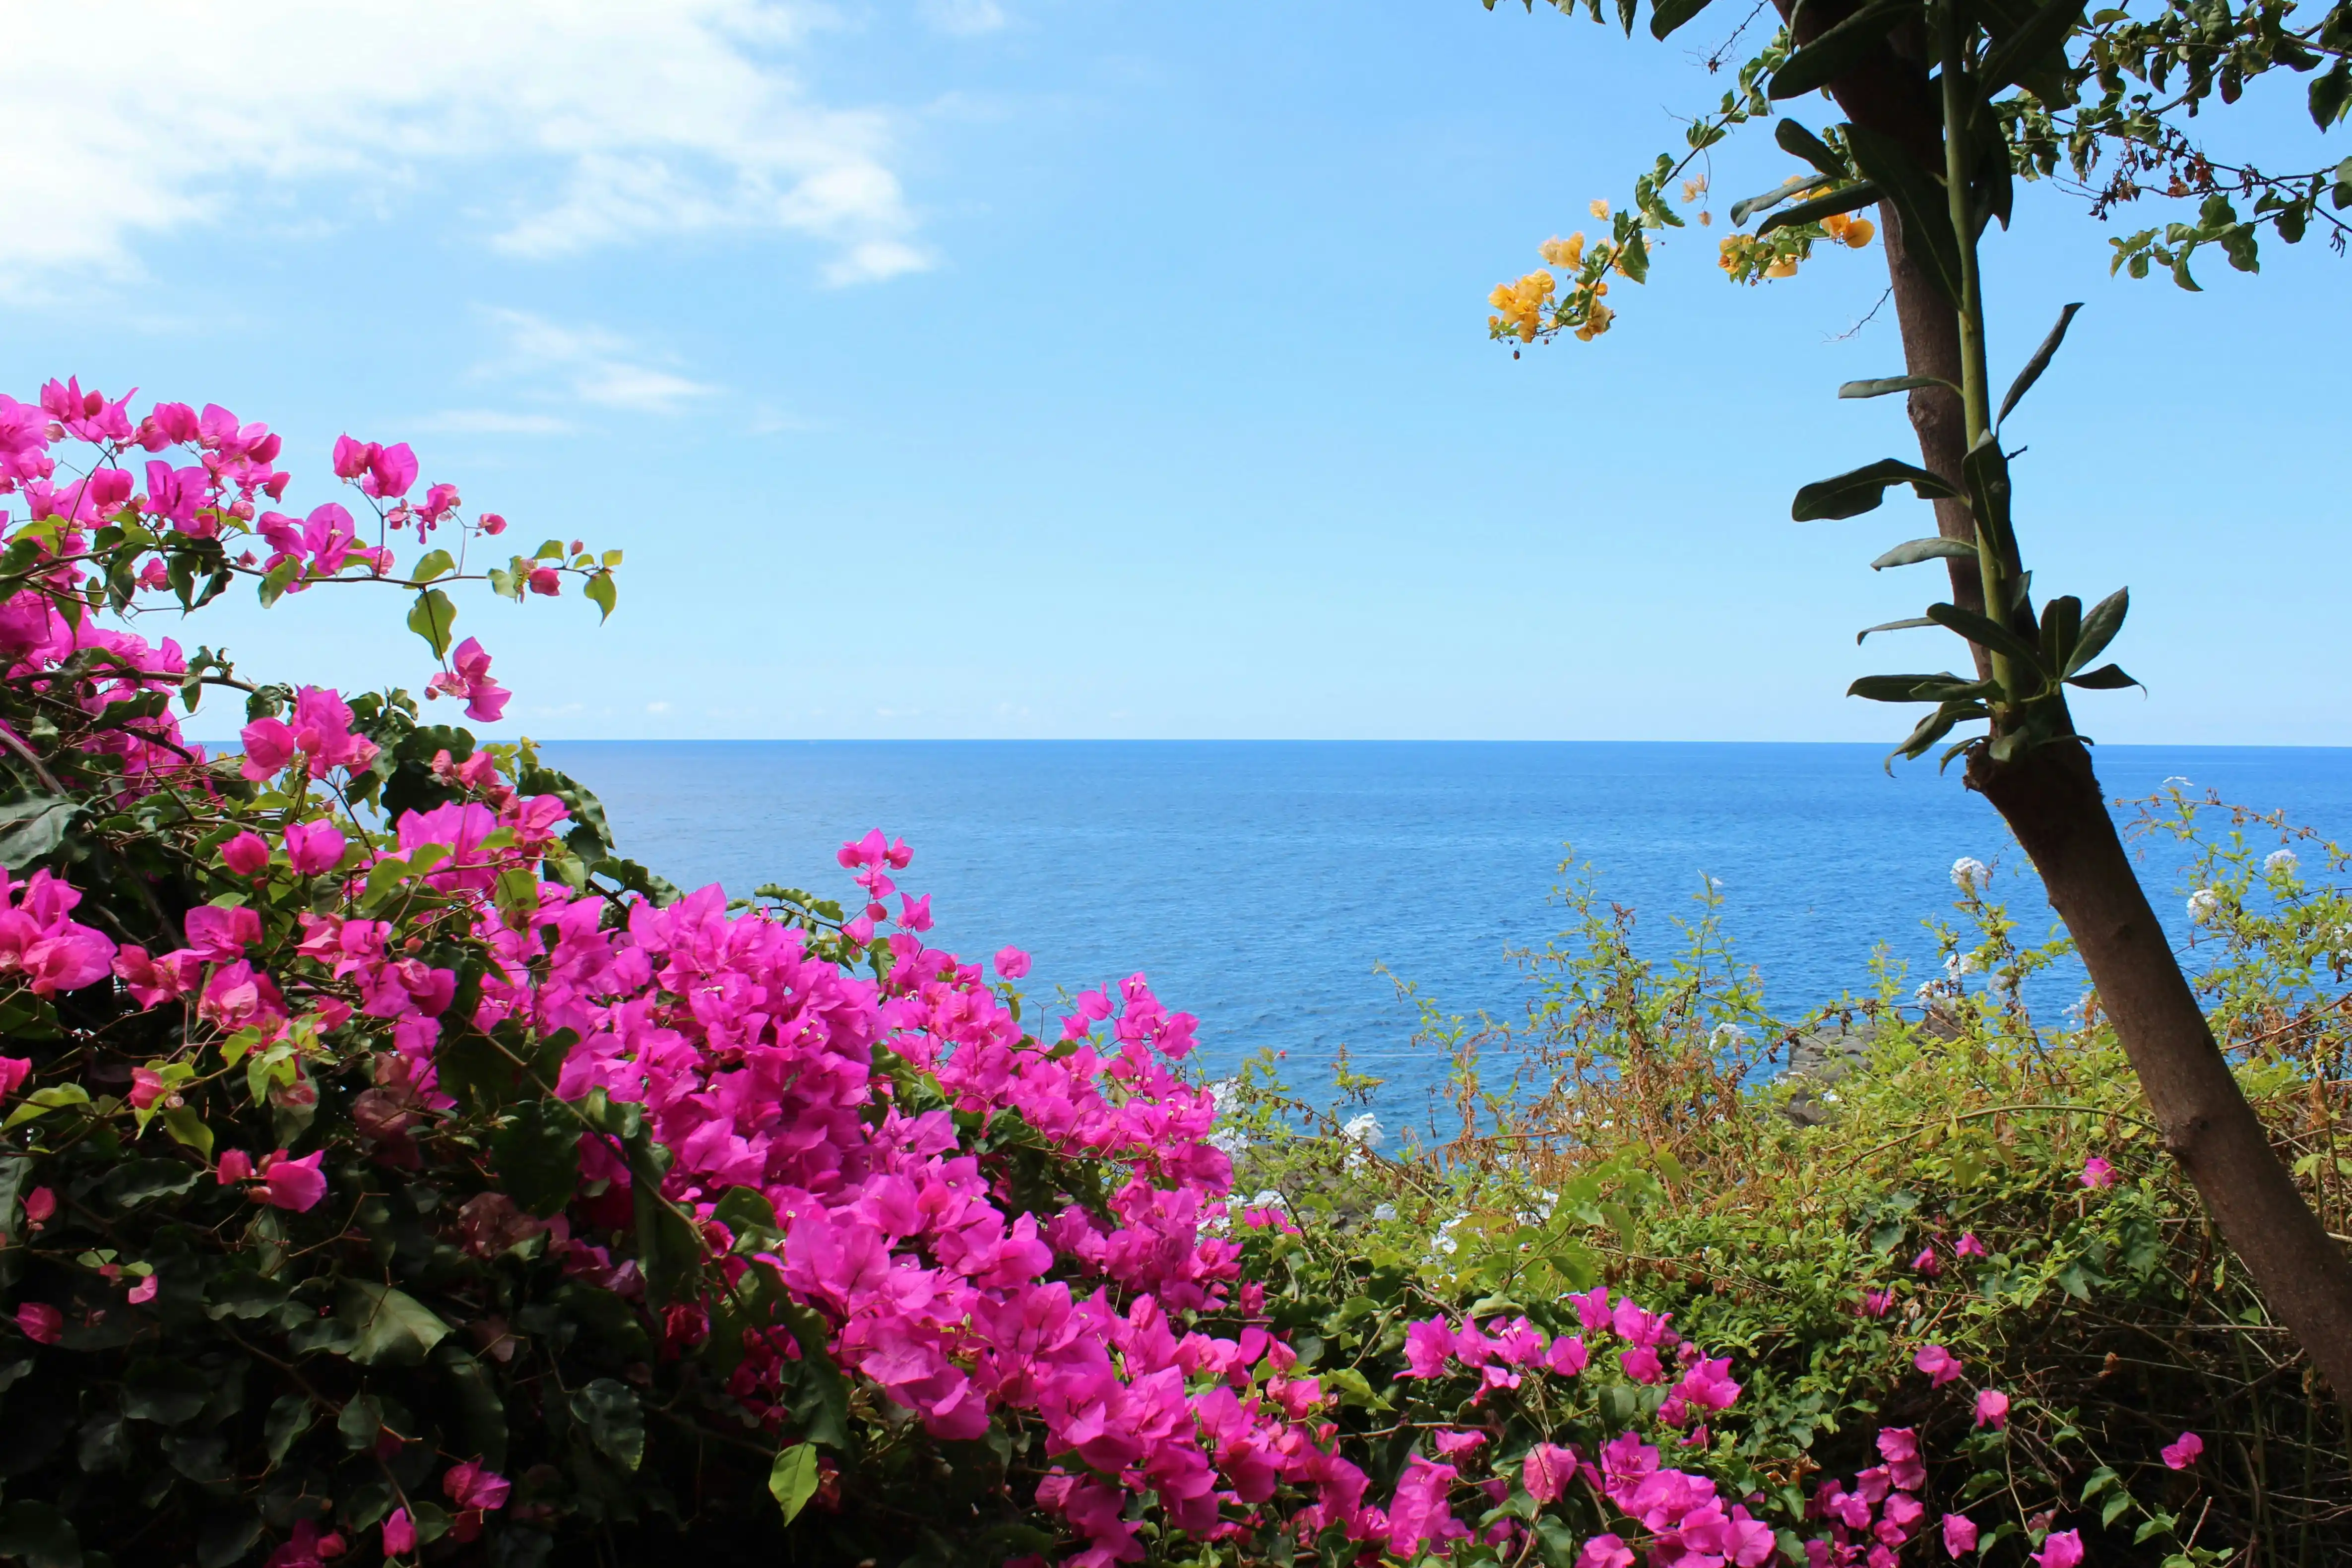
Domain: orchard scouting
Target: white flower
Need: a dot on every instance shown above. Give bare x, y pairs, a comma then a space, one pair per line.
1929, 991
1227, 1142
1829, 1095
1384, 1213
1730, 1034
2203, 904
1365, 1129
1266, 1198
1216, 1224
1968, 873
1958, 964
2177, 781
1447, 1245
1455, 1220
2279, 860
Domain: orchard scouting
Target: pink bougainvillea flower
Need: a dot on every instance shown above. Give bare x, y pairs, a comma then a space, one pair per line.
144, 1291
391, 470
2061, 1550
314, 847
1877, 1303
269, 747
40, 1323
914, 914
235, 1166
1605, 1551
469, 678
39, 1204
2182, 1453
1940, 1366
1708, 1384
1927, 1263
1011, 962
298, 1185
1454, 1445
1641, 1364
1969, 1247
469, 1485
545, 580
2097, 1172
1992, 1409
1547, 1471
1427, 1344
221, 934
247, 854
1959, 1534
146, 1087
14, 1070
399, 1534
860, 930
1567, 1356
1419, 1515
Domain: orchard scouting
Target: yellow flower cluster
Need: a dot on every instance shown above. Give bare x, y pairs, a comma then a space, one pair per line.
1854, 232
1521, 303
1565, 253
1596, 320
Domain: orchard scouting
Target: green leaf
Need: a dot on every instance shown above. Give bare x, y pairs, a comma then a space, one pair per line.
434, 619
1985, 632
1844, 199
186, 1126
39, 1535
2114, 1507
273, 587
391, 1327
1840, 50
537, 1157
615, 1424
33, 826
1742, 210
2329, 94
2099, 629
2015, 58
1912, 552
1918, 201
1886, 384
290, 1417
361, 1422
1798, 142
437, 563
2098, 1481
2062, 628
747, 1214
1863, 489
134, 1182
1905, 688
2038, 363
225, 1537
42, 1101
164, 1392
552, 550
2106, 678
791, 1479
602, 592
1915, 621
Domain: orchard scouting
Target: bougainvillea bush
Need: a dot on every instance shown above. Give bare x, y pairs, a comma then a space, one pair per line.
393, 1173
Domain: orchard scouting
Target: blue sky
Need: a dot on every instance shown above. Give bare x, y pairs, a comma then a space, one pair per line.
1087, 368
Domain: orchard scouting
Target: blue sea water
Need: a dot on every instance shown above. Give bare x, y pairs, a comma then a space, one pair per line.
1258, 883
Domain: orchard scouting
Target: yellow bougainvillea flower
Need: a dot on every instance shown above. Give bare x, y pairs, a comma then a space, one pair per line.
1600, 208
1568, 253
1784, 268
1858, 231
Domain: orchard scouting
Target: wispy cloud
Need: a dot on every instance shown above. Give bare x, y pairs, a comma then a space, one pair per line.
489, 421
550, 126
587, 364
963, 17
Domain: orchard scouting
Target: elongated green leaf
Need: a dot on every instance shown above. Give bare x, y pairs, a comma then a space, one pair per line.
2062, 628
1861, 194
2013, 59
1913, 551
1840, 50
1919, 199
1909, 688
791, 1479
1863, 489
1892, 626
2038, 363
1884, 385
2099, 628
1742, 210
2106, 678
1798, 142
1985, 632
1934, 728
434, 619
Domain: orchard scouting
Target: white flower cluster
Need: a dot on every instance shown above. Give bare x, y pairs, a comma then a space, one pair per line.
1364, 1129
2280, 861
1968, 873
2203, 904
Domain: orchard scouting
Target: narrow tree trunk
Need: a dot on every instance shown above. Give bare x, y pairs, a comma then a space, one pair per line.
2051, 800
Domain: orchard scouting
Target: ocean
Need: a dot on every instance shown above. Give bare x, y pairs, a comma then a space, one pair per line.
1257, 884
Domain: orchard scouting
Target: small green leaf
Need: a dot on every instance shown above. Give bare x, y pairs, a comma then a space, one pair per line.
1863, 489
1892, 626
434, 619
273, 587
1798, 142
2106, 678
2099, 628
1747, 207
615, 1423
1986, 633
1666, 16
437, 563
1913, 551
603, 594
2038, 363
791, 1479
1886, 384
537, 1157
290, 1417
390, 1326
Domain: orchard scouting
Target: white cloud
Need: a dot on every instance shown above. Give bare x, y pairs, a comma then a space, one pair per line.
577, 123
489, 421
589, 364
963, 17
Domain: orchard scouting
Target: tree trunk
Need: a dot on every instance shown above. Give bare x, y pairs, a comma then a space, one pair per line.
2051, 799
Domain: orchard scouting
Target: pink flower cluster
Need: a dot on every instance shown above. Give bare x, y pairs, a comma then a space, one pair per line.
1870, 1520
41, 943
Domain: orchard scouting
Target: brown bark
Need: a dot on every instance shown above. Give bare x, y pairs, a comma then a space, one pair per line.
2051, 800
